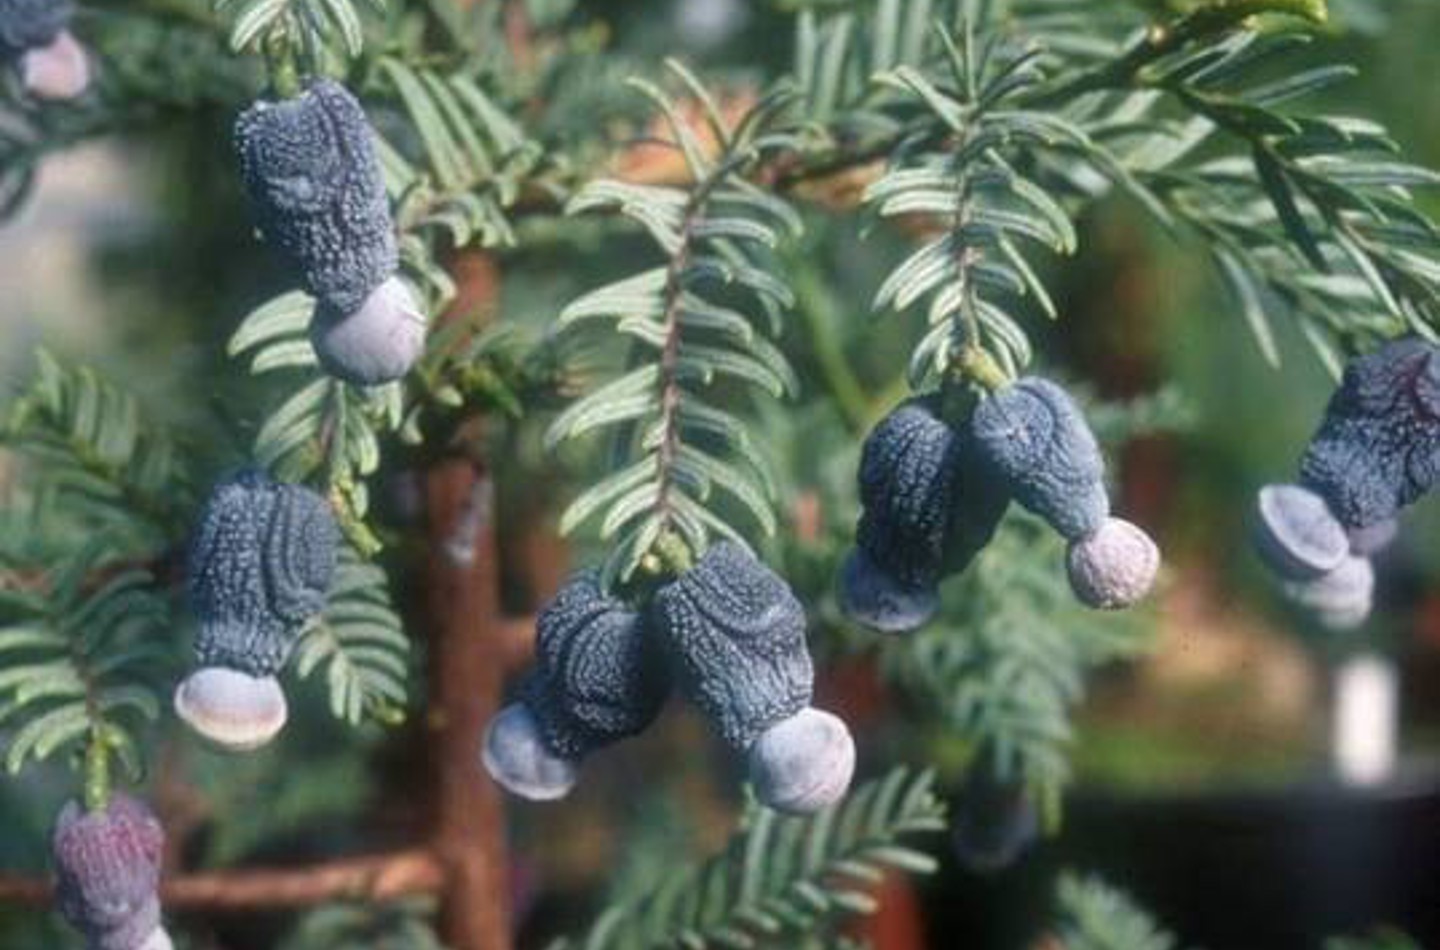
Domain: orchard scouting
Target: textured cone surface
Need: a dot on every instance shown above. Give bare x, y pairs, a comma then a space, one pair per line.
928, 504
736, 635
907, 479
30, 24
980, 503
1114, 567
107, 872
1378, 447
261, 564
1034, 437
995, 823
314, 180
599, 677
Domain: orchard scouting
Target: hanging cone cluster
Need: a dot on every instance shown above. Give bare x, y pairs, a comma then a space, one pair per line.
728, 635
314, 180
107, 874
933, 495
35, 38
1377, 450
261, 564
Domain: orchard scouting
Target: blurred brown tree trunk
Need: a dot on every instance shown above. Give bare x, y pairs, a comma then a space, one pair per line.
467, 663
467, 670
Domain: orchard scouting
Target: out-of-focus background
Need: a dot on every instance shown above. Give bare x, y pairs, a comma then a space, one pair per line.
1213, 778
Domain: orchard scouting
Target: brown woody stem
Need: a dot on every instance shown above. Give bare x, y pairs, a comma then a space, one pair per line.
373, 878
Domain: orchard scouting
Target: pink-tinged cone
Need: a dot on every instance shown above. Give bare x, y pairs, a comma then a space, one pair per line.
107, 870
56, 72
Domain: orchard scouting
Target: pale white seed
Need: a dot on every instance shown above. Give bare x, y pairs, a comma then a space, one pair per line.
56, 72
232, 709
376, 344
804, 763
515, 755
1341, 599
1297, 534
1114, 567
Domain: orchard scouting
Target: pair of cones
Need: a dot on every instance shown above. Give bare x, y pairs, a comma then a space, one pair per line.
1377, 450
934, 489
728, 635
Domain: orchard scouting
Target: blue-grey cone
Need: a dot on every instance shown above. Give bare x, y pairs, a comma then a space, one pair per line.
31, 24
261, 563
736, 638
928, 507
1035, 438
1378, 446
315, 184
599, 676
